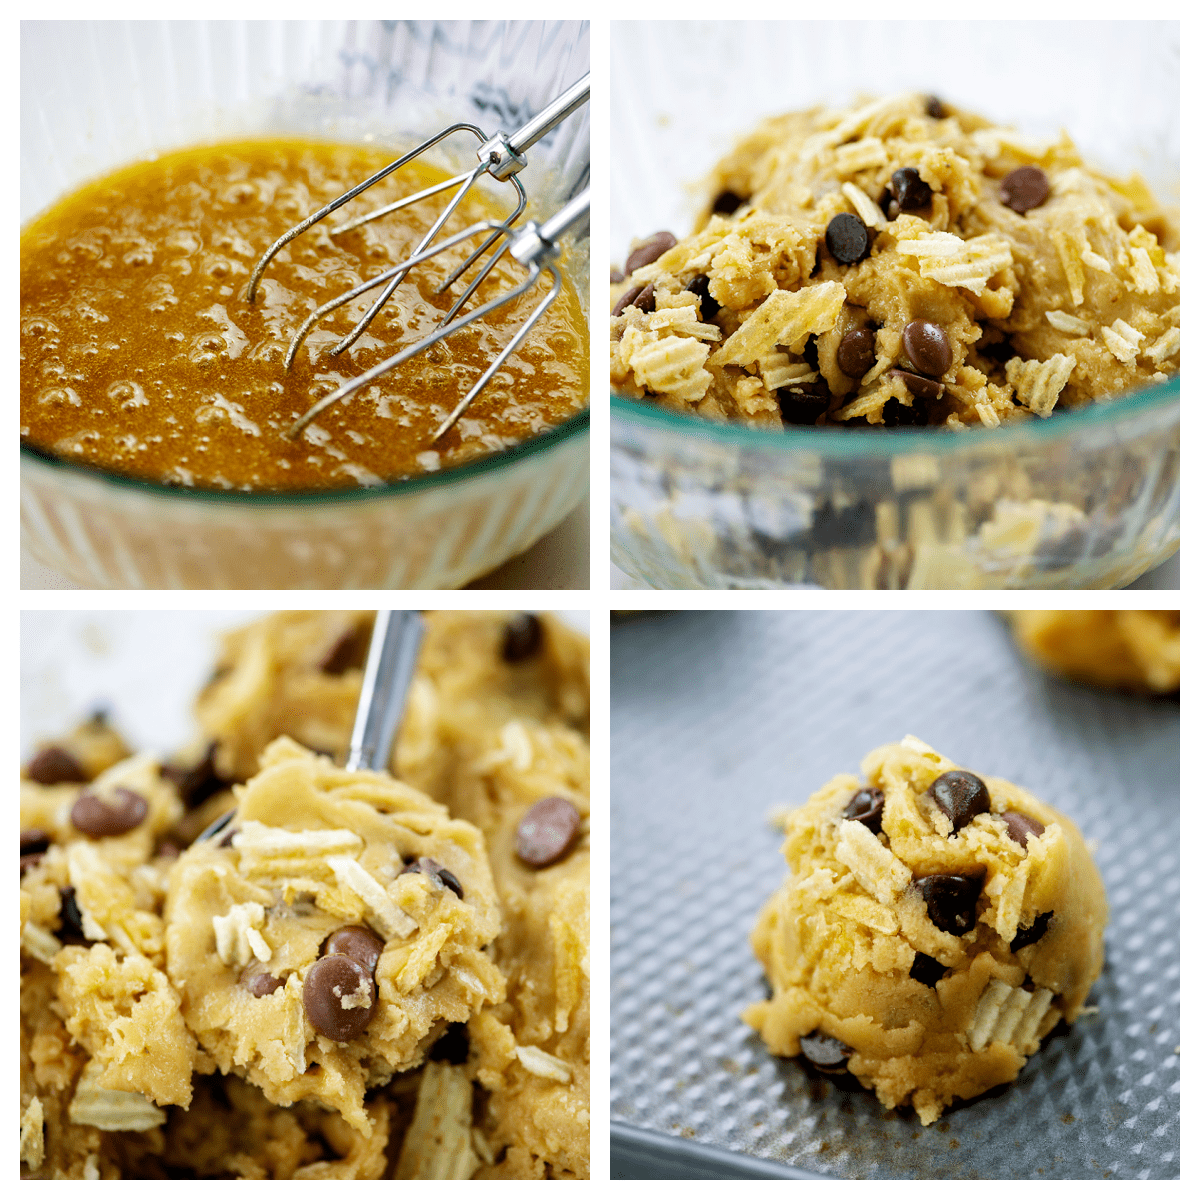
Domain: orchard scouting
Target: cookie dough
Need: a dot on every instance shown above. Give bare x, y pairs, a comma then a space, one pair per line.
155, 1042
1137, 651
901, 262
935, 927
324, 941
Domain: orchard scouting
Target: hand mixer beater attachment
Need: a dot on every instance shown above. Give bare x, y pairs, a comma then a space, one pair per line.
534, 246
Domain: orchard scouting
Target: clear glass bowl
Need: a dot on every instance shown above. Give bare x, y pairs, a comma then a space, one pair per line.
1084, 500
96, 95
1088, 499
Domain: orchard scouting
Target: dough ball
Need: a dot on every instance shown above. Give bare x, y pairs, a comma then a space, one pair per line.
931, 939
1138, 651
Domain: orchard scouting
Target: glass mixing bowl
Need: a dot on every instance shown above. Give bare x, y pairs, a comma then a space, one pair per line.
1088, 499
96, 95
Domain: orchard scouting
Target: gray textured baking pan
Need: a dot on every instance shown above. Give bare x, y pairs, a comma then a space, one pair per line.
719, 718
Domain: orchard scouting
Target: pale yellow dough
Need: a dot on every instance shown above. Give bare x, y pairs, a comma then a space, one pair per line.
839, 939
1121, 648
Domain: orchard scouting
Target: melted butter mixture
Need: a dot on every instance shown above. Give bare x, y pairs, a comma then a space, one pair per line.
140, 353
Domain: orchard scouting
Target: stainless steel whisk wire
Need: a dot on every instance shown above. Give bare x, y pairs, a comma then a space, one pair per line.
501, 156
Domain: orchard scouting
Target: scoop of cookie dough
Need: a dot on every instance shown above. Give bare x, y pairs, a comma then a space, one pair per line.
936, 925
1138, 651
324, 940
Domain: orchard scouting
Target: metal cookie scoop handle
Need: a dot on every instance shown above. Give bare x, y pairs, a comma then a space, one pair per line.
502, 156
534, 246
391, 661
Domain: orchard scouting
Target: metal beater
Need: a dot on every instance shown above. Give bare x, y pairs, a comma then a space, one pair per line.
534, 246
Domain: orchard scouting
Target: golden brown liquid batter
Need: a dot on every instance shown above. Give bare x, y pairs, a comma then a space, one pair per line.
140, 353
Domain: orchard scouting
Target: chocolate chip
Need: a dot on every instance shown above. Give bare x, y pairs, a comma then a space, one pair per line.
331, 982
258, 982
911, 191
547, 831
29, 861
644, 300
826, 1053
356, 942
926, 970
227, 840
197, 783
961, 796
856, 353
846, 238
812, 354
522, 638
866, 805
435, 870
927, 347
1024, 188
625, 301
804, 403
93, 816
217, 825
70, 918
935, 108
348, 652
34, 841
651, 251
895, 413
1020, 827
920, 387
54, 765
1035, 932
614, 276
453, 1046
727, 202
167, 850
708, 306
950, 900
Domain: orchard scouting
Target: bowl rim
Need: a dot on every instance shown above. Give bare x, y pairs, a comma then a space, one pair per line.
887, 443
574, 426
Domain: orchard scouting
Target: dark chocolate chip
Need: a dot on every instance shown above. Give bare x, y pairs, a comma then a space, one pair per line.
1035, 932
1020, 827
331, 982
28, 861
453, 1046
197, 783
97, 819
70, 918
812, 354
651, 251
167, 850
895, 413
34, 841
961, 796
927, 347
348, 652
950, 901
727, 202
826, 1053
258, 982
911, 191
935, 108
920, 387
625, 301
54, 765
708, 306
356, 942
218, 825
926, 970
846, 238
804, 403
547, 831
614, 275
644, 300
522, 638
866, 805
435, 870
856, 353
1025, 188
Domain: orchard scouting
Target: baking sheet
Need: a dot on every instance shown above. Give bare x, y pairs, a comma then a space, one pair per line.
717, 718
